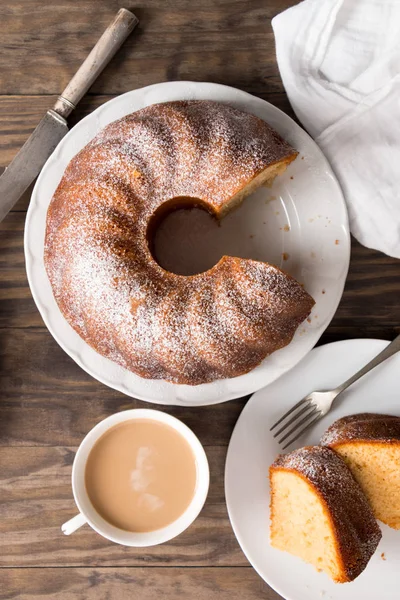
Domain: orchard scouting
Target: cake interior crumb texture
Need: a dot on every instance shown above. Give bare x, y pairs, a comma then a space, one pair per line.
309, 535
320, 513
265, 178
369, 443
376, 467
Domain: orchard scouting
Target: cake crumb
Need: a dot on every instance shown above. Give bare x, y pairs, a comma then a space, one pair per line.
285, 256
336, 242
286, 228
264, 223
291, 177
383, 556
308, 320
251, 236
302, 158
323, 291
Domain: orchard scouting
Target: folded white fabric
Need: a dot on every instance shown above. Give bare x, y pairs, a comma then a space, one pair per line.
340, 65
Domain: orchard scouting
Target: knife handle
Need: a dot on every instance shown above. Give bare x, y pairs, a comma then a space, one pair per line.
111, 40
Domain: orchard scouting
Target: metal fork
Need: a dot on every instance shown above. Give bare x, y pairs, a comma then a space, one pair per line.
317, 404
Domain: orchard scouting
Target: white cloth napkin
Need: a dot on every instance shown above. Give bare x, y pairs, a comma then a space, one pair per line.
340, 64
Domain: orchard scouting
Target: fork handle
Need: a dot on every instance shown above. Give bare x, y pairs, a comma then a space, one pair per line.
391, 349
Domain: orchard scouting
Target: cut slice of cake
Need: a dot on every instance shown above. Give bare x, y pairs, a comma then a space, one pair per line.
370, 446
319, 513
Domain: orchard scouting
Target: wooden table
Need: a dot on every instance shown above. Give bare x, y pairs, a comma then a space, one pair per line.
47, 403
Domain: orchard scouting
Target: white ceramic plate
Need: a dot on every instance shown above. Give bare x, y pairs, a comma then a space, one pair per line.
252, 449
307, 199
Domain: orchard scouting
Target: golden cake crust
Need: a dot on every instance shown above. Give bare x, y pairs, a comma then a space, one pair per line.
355, 529
363, 427
192, 330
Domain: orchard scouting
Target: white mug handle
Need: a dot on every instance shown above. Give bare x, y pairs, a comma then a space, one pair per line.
73, 524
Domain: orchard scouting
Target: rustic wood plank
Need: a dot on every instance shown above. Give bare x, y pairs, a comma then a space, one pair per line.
41, 385
369, 308
129, 583
36, 498
19, 115
39, 473
47, 400
45, 468
216, 40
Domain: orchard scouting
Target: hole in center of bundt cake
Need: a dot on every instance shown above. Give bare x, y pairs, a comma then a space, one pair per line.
181, 236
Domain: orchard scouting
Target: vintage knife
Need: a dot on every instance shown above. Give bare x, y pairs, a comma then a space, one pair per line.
52, 128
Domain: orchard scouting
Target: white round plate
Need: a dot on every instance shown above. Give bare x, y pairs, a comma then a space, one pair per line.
302, 218
252, 450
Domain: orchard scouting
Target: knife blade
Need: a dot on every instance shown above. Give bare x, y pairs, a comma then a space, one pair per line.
52, 128
30, 159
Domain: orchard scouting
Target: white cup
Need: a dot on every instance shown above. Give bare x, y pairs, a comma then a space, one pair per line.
88, 514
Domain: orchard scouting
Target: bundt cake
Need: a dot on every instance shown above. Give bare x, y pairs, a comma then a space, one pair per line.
98, 246
370, 446
319, 513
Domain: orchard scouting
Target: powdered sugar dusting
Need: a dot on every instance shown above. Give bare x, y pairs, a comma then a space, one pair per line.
217, 324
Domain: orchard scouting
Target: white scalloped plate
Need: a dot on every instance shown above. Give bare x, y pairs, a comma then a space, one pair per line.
252, 450
307, 200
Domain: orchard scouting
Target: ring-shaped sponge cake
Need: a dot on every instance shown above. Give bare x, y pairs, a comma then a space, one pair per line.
98, 256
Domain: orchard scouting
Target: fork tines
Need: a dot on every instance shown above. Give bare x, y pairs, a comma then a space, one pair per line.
306, 409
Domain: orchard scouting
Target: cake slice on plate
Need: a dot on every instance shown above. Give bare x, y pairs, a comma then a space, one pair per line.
370, 446
319, 513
